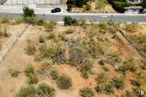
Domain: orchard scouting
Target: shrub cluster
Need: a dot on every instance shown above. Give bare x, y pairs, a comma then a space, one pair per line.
106, 85
43, 90
64, 82
31, 75
70, 21
50, 26
54, 74
87, 92
126, 67
27, 12
55, 53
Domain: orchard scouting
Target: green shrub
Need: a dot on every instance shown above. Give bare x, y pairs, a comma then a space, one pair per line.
50, 26
3, 32
13, 72
27, 12
85, 68
135, 82
139, 80
54, 74
113, 59
29, 91
143, 66
64, 82
69, 7
87, 92
51, 35
104, 84
41, 39
93, 46
30, 20
30, 73
62, 37
29, 16
32, 78
87, 7
54, 53
30, 48
127, 67
107, 88
102, 78
4, 19
69, 31
129, 94
45, 90
118, 82
29, 69
77, 55
70, 21
144, 48
18, 21
40, 22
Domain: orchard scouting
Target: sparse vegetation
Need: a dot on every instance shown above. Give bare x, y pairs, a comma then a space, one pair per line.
4, 19
50, 26
76, 52
13, 72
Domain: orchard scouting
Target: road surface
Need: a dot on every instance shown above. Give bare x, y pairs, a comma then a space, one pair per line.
44, 13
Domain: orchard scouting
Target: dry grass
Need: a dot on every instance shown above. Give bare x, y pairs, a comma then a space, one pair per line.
88, 42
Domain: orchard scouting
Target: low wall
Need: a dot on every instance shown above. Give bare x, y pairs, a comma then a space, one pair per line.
10, 43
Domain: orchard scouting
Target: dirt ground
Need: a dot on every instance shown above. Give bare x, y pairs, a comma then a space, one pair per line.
18, 59
10, 29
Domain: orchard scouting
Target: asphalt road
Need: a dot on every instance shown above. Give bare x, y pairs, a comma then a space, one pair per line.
44, 13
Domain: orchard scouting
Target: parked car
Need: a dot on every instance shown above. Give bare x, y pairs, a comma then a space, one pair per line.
56, 10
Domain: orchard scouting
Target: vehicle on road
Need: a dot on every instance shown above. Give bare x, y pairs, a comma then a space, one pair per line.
56, 10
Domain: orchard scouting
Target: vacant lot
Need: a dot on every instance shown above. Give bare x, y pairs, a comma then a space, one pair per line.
71, 58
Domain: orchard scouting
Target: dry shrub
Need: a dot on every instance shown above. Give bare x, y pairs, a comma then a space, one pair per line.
132, 28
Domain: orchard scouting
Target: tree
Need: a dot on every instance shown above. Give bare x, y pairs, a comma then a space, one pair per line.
79, 3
